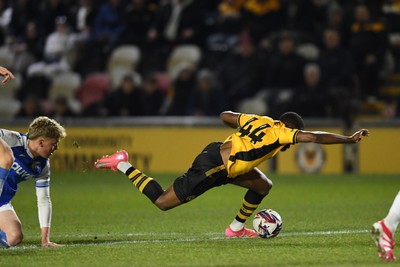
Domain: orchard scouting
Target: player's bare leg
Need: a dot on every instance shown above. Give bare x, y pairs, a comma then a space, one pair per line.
259, 186
11, 226
254, 180
164, 200
168, 199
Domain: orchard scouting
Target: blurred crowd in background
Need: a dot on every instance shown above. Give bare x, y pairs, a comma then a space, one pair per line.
85, 58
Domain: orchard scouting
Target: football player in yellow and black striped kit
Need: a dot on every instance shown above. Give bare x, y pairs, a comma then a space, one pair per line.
233, 161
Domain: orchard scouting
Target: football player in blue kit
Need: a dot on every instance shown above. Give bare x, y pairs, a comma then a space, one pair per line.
25, 156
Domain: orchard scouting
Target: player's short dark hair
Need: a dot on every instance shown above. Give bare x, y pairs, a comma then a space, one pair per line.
292, 120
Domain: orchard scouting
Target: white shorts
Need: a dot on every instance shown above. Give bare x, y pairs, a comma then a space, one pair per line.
7, 206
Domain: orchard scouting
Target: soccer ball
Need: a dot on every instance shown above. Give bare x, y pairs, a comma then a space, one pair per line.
267, 223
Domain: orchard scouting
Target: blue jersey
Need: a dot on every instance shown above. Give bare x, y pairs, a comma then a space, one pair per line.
25, 166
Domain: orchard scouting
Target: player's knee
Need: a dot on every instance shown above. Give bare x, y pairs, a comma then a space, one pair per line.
167, 200
162, 206
270, 184
14, 238
265, 189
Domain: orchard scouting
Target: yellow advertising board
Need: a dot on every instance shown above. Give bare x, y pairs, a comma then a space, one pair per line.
173, 148
379, 153
312, 158
151, 149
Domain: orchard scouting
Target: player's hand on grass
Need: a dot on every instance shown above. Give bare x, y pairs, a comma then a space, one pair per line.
6, 74
359, 134
51, 244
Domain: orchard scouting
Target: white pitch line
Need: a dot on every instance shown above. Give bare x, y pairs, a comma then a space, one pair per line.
214, 236
326, 233
207, 233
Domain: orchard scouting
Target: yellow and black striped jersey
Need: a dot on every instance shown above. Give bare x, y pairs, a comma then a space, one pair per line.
258, 138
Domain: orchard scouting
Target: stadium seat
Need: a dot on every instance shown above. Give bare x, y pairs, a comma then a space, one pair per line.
253, 106
308, 51
37, 85
9, 107
118, 73
9, 90
163, 80
6, 56
65, 84
189, 54
93, 89
47, 69
127, 56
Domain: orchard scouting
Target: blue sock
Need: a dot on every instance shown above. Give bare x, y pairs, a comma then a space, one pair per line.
3, 173
3, 240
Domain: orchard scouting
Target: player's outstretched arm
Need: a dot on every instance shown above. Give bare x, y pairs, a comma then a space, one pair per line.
230, 118
330, 138
6, 75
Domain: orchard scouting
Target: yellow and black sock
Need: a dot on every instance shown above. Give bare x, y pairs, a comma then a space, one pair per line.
250, 203
147, 185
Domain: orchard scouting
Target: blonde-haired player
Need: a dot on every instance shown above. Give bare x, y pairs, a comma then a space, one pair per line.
25, 156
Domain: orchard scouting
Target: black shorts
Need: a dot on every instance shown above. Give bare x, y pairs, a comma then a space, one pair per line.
207, 171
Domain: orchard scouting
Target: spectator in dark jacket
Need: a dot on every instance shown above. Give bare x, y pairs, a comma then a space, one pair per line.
152, 96
181, 91
126, 99
336, 62
208, 98
285, 67
241, 73
369, 45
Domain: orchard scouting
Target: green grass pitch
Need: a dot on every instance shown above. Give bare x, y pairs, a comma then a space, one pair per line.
104, 221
